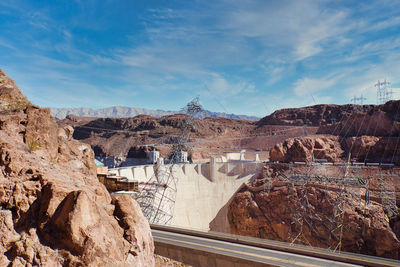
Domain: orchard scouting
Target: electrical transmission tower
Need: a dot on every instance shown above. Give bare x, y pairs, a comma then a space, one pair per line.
157, 196
304, 179
358, 100
388, 193
187, 126
383, 92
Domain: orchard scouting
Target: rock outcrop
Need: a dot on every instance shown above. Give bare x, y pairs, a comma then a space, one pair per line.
313, 115
54, 212
373, 149
382, 120
343, 120
277, 214
336, 149
304, 149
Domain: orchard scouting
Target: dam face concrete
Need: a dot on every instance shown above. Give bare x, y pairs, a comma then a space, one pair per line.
203, 191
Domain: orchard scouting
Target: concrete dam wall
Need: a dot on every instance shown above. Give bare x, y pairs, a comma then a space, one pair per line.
203, 191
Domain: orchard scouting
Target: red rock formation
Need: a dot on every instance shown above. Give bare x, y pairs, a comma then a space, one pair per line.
377, 123
313, 115
54, 212
373, 149
271, 214
305, 148
334, 148
343, 120
380, 120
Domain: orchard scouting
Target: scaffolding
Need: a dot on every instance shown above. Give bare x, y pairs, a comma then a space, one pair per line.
157, 196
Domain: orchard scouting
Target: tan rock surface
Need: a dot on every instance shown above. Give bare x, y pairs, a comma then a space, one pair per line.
54, 212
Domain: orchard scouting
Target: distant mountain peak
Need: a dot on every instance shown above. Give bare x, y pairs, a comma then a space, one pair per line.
125, 112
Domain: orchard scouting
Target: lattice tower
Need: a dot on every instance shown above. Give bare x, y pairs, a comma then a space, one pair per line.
158, 194
349, 184
383, 92
302, 216
388, 193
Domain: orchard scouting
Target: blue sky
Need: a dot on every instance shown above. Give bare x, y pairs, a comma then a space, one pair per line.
245, 57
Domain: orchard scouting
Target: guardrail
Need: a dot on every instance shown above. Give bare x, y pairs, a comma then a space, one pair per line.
321, 253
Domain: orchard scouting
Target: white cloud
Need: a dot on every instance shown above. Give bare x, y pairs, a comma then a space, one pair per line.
6, 44
236, 48
251, 88
386, 23
300, 27
308, 86
307, 49
219, 86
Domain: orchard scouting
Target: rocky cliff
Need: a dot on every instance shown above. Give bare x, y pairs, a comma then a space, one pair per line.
54, 212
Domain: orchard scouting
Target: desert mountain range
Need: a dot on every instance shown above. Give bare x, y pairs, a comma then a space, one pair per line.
127, 112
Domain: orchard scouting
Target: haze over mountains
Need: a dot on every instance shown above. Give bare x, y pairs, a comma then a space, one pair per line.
125, 112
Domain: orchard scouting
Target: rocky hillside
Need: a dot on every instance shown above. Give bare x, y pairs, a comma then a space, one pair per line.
369, 133
313, 115
383, 120
126, 136
127, 112
54, 212
134, 137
